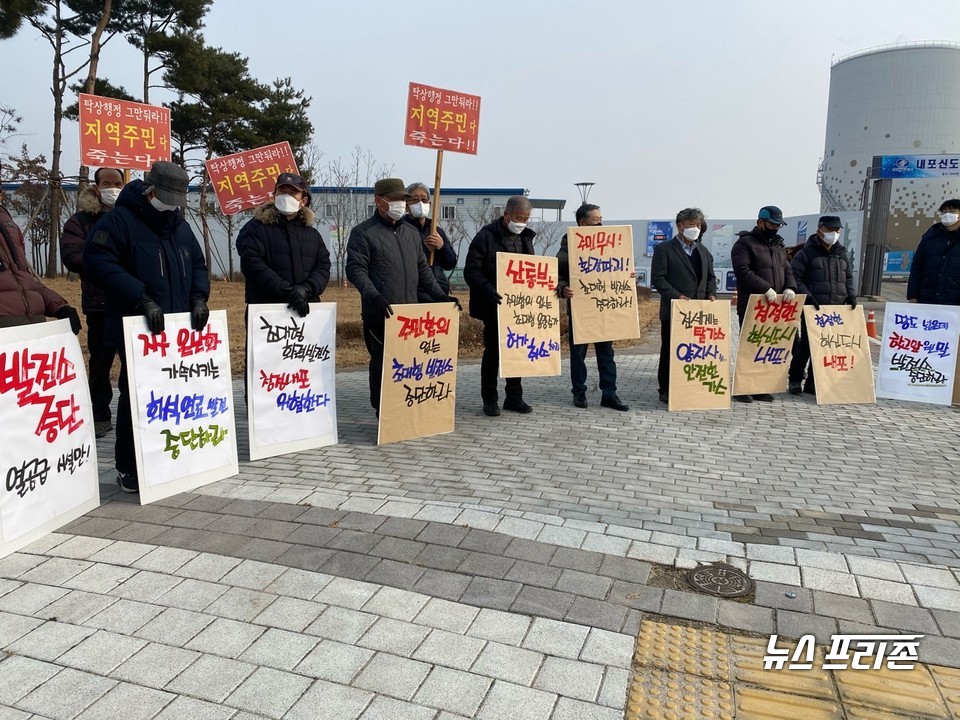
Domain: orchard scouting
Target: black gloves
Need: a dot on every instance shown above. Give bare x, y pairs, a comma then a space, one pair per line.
851, 301
494, 295
297, 299
381, 303
454, 300
816, 305
199, 313
68, 313
153, 313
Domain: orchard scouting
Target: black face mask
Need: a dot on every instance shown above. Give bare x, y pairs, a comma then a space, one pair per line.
770, 234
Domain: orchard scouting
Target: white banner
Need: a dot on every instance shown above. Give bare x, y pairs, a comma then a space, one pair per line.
48, 454
291, 402
918, 352
181, 396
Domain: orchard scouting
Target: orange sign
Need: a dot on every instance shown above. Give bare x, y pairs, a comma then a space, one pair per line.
122, 134
246, 180
442, 119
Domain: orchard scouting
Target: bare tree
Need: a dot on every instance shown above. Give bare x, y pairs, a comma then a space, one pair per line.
549, 235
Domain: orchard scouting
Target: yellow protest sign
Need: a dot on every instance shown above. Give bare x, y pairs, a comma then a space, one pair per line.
766, 340
699, 355
528, 316
840, 351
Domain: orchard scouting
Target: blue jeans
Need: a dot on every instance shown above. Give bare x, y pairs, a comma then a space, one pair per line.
605, 364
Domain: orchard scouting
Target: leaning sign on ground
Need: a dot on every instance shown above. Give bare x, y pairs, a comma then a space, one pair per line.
604, 302
181, 397
840, 352
528, 315
918, 352
766, 339
442, 119
699, 355
48, 454
418, 390
291, 398
246, 180
122, 134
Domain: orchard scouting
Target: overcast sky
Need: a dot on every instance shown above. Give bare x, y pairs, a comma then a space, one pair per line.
663, 105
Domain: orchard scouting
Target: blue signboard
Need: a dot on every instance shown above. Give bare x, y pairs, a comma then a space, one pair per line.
657, 232
898, 263
917, 166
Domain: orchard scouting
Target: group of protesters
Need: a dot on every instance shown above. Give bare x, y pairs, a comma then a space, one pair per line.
136, 255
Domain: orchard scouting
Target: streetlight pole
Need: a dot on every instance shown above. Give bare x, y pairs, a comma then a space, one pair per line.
584, 188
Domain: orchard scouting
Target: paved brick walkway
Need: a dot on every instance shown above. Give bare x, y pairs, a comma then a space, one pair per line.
502, 571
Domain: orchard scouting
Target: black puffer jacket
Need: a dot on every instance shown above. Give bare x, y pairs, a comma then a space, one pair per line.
443, 259
89, 211
480, 268
135, 250
385, 258
935, 272
823, 275
759, 265
277, 253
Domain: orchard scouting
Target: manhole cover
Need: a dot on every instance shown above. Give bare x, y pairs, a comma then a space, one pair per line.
720, 579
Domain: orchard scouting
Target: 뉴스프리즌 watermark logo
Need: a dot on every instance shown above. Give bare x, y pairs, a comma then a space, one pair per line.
857, 652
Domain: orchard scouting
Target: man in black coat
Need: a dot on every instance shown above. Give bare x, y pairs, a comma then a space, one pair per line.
506, 234
935, 271
681, 269
148, 262
824, 274
760, 264
282, 255
386, 264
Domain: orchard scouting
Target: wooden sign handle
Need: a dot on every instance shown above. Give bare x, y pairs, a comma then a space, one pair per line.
436, 200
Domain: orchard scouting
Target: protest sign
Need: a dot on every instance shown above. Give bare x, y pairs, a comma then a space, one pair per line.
418, 390
918, 352
699, 355
529, 315
766, 341
442, 119
291, 398
840, 353
246, 179
604, 303
122, 134
181, 397
48, 456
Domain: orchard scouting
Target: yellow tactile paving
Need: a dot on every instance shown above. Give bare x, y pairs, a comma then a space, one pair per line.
910, 692
748, 667
689, 673
948, 680
681, 649
757, 704
658, 695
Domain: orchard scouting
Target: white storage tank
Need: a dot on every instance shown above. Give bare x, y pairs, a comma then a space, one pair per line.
899, 99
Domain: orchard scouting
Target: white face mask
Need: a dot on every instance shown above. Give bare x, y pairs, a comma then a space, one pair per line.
420, 210
108, 196
162, 207
691, 234
515, 227
829, 238
949, 218
286, 204
396, 209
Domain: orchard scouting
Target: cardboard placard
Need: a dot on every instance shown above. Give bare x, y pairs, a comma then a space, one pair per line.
840, 352
604, 303
49, 453
181, 397
122, 134
529, 315
766, 341
291, 392
699, 355
247, 179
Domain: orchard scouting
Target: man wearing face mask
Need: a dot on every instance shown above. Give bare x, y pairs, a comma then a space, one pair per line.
935, 271
681, 269
506, 234
824, 274
148, 262
587, 215
282, 255
444, 256
761, 266
386, 264
92, 202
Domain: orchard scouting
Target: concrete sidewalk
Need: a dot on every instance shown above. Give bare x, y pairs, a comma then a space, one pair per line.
502, 571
